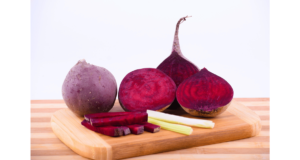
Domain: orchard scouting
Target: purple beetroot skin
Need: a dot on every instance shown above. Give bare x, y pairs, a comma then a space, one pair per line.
204, 94
146, 88
89, 89
176, 65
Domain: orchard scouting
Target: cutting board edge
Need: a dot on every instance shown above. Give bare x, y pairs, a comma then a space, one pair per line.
84, 150
247, 115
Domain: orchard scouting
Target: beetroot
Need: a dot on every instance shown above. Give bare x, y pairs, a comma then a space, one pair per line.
120, 120
89, 89
126, 130
204, 94
146, 89
109, 114
149, 127
136, 128
176, 65
112, 131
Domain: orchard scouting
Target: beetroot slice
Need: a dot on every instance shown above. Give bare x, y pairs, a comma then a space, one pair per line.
145, 89
136, 128
112, 131
126, 130
204, 94
149, 127
108, 114
176, 65
120, 120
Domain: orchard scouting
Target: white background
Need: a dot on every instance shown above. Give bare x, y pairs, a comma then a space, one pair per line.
230, 38
15, 54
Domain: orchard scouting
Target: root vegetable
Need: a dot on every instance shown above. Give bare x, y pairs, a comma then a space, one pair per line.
176, 65
120, 120
149, 127
89, 89
146, 89
136, 128
109, 114
204, 94
126, 130
112, 131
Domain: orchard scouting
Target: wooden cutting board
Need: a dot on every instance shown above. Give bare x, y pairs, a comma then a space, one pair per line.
237, 122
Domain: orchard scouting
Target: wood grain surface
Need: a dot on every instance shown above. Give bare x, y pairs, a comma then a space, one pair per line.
45, 145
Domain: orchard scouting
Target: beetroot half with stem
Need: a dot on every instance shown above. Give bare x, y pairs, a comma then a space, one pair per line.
146, 89
176, 65
204, 94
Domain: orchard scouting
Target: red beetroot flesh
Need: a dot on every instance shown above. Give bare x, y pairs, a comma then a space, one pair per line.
176, 65
149, 127
204, 91
145, 89
112, 131
136, 128
108, 114
120, 120
126, 130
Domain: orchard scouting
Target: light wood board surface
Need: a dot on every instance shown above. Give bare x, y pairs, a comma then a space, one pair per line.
45, 144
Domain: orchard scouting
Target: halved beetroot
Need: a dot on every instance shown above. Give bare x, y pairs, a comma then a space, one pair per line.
146, 88
177, 66
204, 94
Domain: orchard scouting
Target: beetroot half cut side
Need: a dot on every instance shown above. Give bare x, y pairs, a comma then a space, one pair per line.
146, 89
204, 94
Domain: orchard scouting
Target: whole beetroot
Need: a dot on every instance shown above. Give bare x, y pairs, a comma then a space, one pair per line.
89, 89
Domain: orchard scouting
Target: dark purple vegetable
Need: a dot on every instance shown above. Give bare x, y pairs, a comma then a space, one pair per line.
136, 128
112, 131
89, 89
149, 127
204, 94
126, 130
146, 88
176, 65
108, 114
120, 120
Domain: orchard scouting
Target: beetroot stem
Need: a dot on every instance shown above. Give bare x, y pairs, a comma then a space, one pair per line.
176, 46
